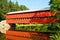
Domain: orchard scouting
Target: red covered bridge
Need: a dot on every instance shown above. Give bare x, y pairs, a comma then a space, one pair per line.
29, 17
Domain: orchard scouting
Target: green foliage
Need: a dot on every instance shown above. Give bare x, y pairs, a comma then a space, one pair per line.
57, 15
55, 36
23, 7
54, 5
2, 36
31, 27
53, 27
38, 27
9, 6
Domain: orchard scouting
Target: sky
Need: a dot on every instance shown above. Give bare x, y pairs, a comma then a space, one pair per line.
33, 4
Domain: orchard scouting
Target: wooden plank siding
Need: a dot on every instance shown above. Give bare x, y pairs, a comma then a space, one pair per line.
30, 17
39, 17
19, 35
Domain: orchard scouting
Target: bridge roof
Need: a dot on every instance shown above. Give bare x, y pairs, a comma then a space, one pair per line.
28, 11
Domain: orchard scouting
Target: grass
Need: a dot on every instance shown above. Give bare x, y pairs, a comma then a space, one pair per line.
2, 36
55, 36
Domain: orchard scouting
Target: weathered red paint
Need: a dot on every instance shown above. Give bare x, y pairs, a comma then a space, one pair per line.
30, 17
19, 35
29, 14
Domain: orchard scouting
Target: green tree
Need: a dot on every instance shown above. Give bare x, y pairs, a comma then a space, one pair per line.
16, 7
23, 7
3, 8
55, 7
9, 6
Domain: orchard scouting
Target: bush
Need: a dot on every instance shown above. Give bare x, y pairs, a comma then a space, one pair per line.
55, 36
38, 27
2, 36
32, 27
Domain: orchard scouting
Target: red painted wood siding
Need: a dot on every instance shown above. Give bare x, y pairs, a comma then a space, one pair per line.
30, 14
30, 17
18, 35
